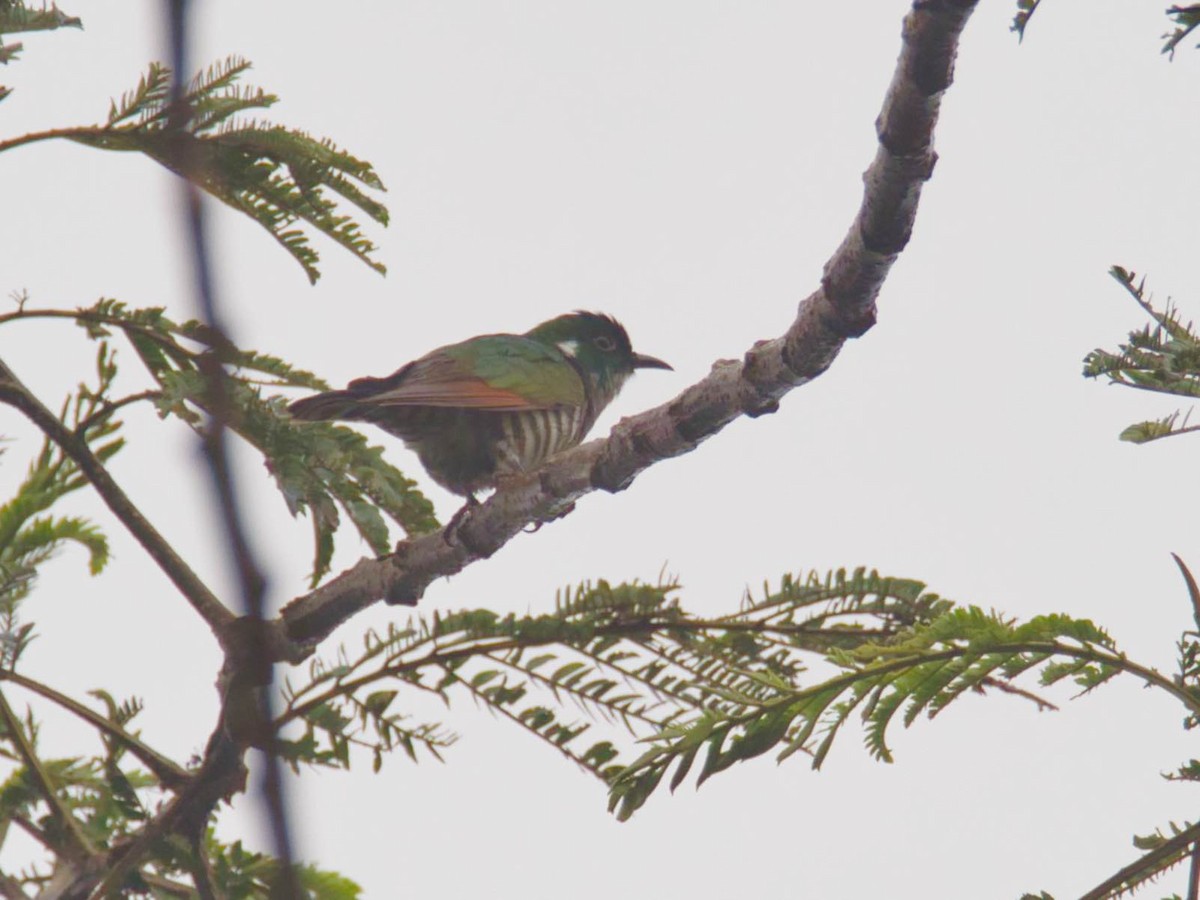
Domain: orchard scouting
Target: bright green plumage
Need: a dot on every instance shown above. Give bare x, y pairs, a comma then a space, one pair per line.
497, 404
538, 373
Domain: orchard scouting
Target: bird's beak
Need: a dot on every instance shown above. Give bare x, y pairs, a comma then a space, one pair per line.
641, 361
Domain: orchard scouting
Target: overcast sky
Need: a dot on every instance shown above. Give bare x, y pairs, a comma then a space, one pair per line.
686, 167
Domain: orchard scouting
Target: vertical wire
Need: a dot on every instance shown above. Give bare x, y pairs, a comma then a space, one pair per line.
251, 581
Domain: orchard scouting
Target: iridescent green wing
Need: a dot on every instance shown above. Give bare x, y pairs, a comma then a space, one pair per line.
500, 372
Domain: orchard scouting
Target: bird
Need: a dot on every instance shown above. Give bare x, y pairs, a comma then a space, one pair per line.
496, 405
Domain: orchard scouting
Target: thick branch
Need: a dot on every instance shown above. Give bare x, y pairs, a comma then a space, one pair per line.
15, 394
842, 307
221, 776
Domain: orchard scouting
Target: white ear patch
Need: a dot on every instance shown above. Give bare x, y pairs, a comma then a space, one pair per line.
569, 348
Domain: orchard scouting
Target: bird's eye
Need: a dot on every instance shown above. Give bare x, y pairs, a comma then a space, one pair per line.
605, 343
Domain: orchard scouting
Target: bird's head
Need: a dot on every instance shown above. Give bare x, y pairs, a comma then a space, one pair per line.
598, 345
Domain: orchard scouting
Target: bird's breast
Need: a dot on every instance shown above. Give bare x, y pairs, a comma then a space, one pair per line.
530, 438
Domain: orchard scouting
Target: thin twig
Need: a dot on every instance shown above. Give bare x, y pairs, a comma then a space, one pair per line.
167, 344
167, 886
80, 850
1191, 429
1008, 687
108, 407
32, 830
1144, 865
202, 867
170, 774
203, 600
1119, 378
49, 134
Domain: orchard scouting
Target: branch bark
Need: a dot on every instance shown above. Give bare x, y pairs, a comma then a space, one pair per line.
842, 307
222, 775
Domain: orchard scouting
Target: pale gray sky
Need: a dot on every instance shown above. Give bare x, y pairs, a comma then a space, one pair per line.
687, 167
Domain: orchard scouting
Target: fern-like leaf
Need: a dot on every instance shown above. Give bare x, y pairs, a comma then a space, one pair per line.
1025, 11
281, 178
319, 468
1186, 19
1163, 358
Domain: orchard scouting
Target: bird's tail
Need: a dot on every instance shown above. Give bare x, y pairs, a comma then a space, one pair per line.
353, 403
330, 405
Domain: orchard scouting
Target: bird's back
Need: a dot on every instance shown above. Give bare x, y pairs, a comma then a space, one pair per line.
492, 406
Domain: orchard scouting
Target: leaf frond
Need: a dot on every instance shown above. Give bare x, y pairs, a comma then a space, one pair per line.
1163, 357
1186, 19
279, 177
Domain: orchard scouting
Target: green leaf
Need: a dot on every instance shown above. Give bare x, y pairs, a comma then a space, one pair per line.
377, 702
1186, 20
1025, 11
281, 178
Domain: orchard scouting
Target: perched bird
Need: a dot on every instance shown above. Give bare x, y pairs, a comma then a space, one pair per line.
497, 404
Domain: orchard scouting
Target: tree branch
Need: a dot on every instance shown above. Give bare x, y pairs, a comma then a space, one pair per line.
51, 134
109, 407
1007, 687
79, 851
202, 868
171, 888
221, 776
165, 770
842, 307
15, 394
32, 830
1145, 865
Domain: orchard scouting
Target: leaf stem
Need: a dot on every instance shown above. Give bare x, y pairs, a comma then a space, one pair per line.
508, 714
50, 134
91, 315
108, 407
1138, 868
